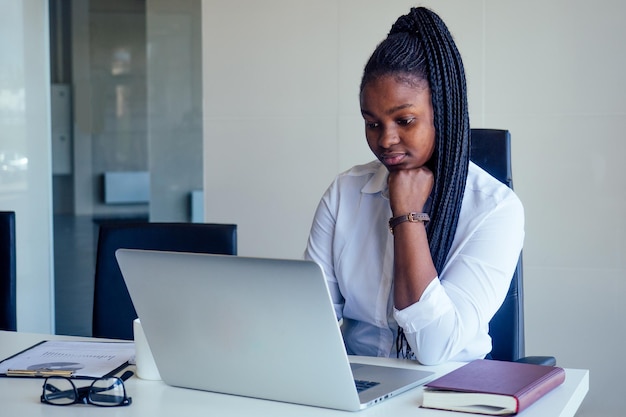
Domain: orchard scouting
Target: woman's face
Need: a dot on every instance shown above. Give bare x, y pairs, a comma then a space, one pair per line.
399, 121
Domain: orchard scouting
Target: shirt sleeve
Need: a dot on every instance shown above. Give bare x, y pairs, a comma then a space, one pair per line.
455, 310
319, 248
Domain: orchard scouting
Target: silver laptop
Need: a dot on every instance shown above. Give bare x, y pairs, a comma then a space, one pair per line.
262, 328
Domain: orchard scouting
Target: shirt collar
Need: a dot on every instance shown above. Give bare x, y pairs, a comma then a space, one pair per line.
378, 182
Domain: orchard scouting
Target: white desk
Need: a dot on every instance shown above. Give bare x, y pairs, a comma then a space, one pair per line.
20, 396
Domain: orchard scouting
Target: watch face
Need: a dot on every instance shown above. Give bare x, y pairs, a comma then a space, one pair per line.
419, 217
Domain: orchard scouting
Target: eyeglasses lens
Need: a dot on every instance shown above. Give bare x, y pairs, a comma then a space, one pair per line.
59, 391
107, 392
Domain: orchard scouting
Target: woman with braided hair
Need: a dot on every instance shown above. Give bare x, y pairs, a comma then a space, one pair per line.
419, 246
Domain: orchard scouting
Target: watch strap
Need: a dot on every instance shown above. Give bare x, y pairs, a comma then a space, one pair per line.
412, 217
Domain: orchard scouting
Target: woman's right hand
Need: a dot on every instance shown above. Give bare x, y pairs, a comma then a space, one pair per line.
409, 189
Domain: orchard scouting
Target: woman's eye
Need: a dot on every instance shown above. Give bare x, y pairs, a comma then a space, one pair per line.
371, 125
404, 122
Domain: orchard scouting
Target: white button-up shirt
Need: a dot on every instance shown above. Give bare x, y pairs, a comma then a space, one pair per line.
350, 239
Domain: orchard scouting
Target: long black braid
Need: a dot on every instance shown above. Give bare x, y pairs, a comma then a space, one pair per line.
420, 46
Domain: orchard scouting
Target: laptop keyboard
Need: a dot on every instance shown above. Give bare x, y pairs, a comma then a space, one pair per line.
362, 385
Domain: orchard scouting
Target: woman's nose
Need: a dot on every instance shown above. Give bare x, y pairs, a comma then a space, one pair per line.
388, 137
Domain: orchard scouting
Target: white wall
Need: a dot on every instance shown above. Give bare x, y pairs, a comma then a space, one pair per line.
25, 132
282, 118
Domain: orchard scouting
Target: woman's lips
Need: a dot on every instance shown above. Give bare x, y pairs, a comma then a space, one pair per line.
394, 158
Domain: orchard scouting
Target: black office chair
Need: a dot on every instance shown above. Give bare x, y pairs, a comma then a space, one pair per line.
8, 312
491, 150
113, 310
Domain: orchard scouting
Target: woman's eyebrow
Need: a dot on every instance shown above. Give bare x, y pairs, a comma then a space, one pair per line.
397, 108
389, 111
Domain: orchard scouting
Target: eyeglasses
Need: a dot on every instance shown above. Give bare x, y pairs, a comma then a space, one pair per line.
103, 392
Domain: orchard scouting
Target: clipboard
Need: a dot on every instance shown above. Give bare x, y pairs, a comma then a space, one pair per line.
72, 359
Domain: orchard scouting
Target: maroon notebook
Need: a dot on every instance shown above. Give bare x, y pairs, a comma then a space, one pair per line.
492, 387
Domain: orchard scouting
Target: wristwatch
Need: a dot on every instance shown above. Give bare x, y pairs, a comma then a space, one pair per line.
409, 217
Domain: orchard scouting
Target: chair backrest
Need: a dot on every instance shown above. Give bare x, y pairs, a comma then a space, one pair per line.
8, 313
113, 310
491, 150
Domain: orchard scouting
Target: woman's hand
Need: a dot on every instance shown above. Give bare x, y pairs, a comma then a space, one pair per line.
409, 189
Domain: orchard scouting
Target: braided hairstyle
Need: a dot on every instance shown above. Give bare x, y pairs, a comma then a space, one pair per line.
420, 47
